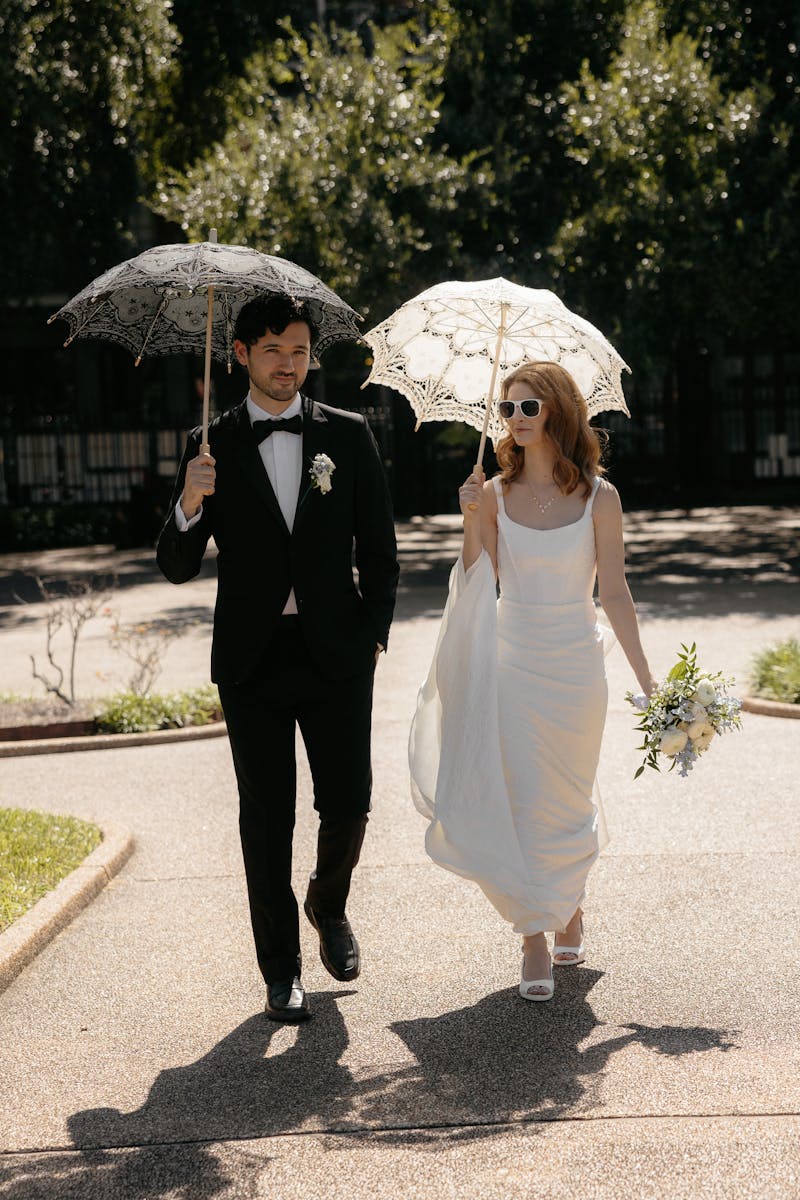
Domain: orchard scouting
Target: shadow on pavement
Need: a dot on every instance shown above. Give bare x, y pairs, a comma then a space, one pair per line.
492, 1063
680, 564
506, 1059
105, 566
704, 562
179, 617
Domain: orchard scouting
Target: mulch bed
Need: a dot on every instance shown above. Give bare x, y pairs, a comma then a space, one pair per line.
22, 720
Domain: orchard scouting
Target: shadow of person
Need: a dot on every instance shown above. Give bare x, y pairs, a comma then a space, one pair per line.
505, 1059
262, 1079
497, 1061
239, 1089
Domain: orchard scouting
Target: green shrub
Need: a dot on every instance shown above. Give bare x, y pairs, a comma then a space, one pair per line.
128, 713
37, 851
45, 526
775, 672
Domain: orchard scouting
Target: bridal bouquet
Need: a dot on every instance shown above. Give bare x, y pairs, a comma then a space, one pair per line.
684, 713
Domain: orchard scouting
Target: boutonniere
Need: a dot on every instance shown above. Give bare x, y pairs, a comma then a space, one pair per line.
320, 471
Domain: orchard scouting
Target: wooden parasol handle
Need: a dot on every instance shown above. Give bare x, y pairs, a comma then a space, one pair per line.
478, 468
205, 448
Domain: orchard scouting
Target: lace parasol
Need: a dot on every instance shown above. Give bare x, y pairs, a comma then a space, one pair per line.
444, 349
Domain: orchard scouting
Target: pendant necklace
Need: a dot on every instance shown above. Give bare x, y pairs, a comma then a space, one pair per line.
541, 507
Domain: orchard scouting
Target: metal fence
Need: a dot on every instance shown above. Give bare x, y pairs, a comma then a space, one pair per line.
85, 468
755, 433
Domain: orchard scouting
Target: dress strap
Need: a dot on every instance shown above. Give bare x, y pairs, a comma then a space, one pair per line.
497, 484
593, 493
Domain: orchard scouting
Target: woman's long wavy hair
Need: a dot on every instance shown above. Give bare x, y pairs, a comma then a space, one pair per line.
578, 447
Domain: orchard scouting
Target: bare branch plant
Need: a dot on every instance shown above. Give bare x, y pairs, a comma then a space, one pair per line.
145, 644
71, 611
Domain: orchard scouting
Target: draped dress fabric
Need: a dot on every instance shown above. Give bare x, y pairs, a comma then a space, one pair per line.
506, 737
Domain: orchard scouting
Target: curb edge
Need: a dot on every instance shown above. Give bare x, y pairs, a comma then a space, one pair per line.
111, 741
30, 933
770, 708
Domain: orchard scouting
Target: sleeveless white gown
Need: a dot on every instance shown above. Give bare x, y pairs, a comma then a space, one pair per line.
506, 737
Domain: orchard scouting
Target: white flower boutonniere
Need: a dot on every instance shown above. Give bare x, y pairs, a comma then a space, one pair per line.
320, 471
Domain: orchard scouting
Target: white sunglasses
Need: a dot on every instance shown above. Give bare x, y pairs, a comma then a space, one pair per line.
529, 408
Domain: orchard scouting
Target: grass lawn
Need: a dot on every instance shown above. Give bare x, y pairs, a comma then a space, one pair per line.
776, 672
37, 850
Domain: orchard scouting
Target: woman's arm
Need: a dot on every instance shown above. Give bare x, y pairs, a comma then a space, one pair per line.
615, 595
478, 504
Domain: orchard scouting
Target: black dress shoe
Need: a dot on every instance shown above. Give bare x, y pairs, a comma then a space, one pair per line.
287, 1001
338, 947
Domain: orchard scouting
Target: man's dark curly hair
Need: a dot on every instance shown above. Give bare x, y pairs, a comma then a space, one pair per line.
271, 313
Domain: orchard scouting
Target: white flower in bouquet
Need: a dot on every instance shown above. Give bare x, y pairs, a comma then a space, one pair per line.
320, 471
705, 692
673, 741
684, 714
698, 727
704, 739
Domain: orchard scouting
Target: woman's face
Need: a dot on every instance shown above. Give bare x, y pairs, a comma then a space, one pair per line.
525, 430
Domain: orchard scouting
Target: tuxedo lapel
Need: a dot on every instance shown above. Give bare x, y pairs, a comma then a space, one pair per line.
253, 468
315, 425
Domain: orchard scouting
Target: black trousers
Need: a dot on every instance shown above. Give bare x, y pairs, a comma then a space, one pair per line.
284, 690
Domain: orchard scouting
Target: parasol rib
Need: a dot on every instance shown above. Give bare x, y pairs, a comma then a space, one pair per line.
159, 311
83, 324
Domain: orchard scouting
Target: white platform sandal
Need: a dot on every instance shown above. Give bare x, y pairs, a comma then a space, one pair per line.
547, 986
577, 954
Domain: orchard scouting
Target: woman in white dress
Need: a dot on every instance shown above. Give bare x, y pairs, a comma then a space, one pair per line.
506, 738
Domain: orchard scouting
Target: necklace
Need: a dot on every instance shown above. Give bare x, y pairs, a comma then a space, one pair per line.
541, 507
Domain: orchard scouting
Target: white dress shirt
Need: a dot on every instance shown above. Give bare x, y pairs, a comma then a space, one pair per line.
282, 456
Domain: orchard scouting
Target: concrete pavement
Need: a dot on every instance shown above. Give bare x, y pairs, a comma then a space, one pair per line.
135, 1061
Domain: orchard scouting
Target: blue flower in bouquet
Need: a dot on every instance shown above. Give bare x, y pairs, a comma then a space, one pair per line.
684, 714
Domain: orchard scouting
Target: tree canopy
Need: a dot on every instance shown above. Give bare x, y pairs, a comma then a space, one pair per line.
329, 159
650, 238
80, 83
641, 157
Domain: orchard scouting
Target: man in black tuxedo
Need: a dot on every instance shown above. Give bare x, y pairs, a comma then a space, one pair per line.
295, 640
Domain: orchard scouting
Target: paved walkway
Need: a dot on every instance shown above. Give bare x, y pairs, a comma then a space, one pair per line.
135, 1061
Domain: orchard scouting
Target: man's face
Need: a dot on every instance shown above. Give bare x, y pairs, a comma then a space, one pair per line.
277, 363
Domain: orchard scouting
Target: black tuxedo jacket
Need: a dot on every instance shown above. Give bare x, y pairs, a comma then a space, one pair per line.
259, 560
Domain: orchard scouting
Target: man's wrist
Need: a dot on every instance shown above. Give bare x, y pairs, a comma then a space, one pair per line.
187, 509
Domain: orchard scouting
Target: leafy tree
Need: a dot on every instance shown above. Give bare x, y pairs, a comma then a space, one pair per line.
215, 39
502, 99
646, 242
745, 42
328, 160
79, 81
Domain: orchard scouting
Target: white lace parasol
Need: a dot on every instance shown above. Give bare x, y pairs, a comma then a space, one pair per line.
157, 303
445, 348
184, 299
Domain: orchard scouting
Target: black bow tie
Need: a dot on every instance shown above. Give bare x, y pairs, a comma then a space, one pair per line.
265, 429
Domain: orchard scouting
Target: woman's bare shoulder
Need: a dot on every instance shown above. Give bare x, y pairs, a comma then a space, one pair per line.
490, 495
606, 493
606, 501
